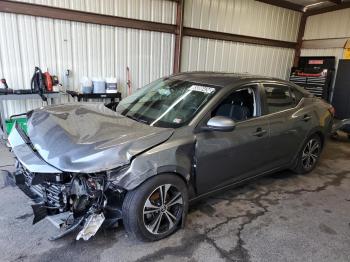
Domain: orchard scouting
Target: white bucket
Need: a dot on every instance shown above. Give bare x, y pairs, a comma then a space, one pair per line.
99, 86
86, 85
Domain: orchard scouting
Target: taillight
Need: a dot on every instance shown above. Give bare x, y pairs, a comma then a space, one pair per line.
332, 110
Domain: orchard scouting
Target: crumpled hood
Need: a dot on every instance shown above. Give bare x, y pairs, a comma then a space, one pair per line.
89, 137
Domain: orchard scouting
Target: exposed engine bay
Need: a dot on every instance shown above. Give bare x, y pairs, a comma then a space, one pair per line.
72, 200
77, 173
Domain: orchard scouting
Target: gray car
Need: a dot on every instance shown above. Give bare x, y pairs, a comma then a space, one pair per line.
177, 140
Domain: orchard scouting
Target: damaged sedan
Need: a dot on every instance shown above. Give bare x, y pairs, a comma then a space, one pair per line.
177, 140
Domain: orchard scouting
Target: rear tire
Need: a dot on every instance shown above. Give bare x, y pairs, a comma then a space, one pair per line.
155, 209
309, 155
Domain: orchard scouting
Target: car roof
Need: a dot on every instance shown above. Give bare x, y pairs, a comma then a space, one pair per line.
219, 79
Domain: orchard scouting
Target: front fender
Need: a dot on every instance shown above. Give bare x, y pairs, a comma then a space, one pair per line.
166, 158
132, 177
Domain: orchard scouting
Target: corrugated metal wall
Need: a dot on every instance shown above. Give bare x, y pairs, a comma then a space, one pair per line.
215, 55
85, 49
328, 25
149, 10
246, 17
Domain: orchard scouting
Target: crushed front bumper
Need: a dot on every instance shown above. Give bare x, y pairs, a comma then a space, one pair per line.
65, 199
49, 204
48, 200
31, 172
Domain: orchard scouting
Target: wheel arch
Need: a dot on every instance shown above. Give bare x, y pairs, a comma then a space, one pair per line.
181, 176
315, 131
132, 182
135, 201
321, 136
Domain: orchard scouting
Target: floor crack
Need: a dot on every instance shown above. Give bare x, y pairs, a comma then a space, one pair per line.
240, 253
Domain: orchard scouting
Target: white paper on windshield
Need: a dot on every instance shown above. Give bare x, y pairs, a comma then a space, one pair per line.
203, 89
177, 120
164, 92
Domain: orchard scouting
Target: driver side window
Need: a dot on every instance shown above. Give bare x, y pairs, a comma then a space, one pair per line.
239, 105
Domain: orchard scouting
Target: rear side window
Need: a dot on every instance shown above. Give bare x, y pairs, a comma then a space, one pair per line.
278, 98
297, 95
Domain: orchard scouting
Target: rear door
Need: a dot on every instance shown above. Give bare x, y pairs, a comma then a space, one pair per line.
289, 122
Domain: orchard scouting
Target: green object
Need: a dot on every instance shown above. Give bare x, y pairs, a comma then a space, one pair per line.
21, 121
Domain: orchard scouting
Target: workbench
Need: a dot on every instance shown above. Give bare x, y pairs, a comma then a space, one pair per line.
3, 98
86, 97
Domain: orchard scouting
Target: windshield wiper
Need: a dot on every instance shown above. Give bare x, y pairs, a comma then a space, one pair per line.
136, 119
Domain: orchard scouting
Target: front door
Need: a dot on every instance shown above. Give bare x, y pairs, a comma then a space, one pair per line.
223, 158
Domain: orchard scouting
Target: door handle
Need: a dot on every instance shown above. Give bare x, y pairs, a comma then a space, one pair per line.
260, 132
306, 118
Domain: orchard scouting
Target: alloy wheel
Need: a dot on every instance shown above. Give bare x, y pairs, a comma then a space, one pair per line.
311, 153
163, 209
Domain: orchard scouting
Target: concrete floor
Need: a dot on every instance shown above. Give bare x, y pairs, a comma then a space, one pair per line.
283, 217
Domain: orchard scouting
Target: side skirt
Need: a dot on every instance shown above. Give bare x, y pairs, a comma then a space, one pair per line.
233, 185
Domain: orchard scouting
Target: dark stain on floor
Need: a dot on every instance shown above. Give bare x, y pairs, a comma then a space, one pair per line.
326, 229
25, 216
6, 179
88, 250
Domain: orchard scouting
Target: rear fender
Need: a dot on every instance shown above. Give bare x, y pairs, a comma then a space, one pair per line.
316, 130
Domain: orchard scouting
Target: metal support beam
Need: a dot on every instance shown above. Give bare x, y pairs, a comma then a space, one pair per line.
84, 17
237, 38
284, 4
325, 43
301, 32
178, 36
337, 2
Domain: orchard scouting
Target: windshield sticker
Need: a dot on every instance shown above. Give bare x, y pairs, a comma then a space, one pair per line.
164, 92
177, 120
203, 89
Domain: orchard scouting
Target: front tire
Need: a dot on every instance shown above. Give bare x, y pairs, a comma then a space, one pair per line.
309, 155
155, 209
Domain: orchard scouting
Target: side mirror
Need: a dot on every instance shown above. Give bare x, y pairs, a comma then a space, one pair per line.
220, 123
